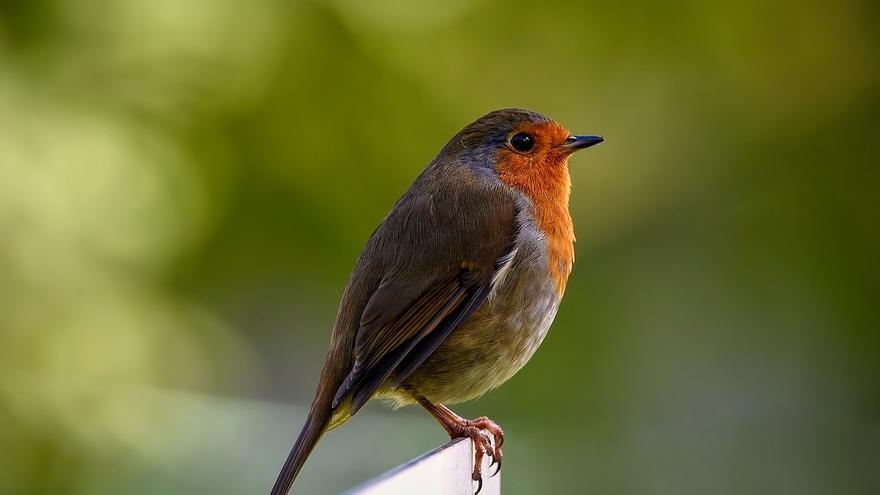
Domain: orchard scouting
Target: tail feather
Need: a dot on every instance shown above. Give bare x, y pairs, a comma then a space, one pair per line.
311, 432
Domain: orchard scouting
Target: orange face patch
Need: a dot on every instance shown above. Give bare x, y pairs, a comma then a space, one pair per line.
542, 174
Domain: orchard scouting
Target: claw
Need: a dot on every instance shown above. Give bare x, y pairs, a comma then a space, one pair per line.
479, 485
498, 469
490, 451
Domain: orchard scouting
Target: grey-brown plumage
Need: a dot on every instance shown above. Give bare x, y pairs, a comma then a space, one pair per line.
457, 287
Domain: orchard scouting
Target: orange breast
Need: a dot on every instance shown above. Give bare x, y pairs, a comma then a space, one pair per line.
544, 179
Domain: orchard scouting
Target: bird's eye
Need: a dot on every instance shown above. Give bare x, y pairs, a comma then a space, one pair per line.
522, 142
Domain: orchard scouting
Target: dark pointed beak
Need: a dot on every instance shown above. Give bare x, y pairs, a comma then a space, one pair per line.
574, 143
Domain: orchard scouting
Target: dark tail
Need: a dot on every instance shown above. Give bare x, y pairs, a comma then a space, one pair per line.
305, 442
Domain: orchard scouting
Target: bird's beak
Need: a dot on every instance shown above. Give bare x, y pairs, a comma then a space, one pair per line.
574, 143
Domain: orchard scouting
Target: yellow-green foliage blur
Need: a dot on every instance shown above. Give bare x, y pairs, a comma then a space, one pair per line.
185, 185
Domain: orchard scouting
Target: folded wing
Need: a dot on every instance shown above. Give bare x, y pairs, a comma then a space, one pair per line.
457, 242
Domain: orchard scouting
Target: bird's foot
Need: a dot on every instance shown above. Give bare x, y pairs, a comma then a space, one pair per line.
486, 424
482, 446
487, 437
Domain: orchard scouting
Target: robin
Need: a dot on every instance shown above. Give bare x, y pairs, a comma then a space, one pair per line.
457, 287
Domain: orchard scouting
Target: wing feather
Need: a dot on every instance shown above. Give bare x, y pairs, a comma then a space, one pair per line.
426, 292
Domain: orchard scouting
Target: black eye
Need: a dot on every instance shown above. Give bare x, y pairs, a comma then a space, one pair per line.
522, 142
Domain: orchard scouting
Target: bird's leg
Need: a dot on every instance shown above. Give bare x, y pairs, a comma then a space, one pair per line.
475, 429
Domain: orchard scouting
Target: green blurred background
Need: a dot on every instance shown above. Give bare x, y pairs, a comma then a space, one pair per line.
185, 185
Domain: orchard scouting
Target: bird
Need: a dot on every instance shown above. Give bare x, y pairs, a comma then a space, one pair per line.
457, 287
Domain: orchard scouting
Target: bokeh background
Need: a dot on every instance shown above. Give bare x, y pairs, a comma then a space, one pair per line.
185, 185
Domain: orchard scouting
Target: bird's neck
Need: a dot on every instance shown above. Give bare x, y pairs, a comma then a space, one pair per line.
548, 188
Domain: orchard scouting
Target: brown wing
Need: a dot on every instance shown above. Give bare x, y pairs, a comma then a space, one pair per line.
456, 239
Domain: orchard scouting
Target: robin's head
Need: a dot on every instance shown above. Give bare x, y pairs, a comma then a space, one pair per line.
527, 152
525, 149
